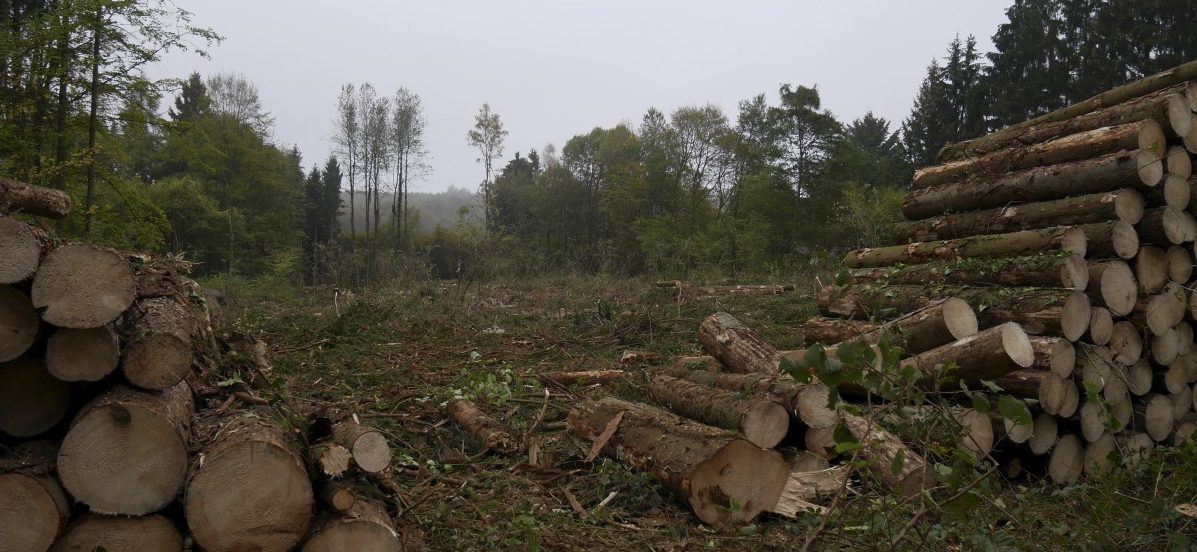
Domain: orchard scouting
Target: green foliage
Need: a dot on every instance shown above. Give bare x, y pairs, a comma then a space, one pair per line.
870, 214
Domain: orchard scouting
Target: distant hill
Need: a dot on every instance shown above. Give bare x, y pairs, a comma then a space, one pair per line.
436, 209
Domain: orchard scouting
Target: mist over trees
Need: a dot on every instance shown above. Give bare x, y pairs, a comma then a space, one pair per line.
193, 166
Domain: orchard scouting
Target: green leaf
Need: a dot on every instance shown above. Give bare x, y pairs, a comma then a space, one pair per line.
1014, 410
899, 462
980, 403
993, 387
964, 505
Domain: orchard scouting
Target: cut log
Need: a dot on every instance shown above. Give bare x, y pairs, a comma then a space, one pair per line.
21, 248
1124, 204
1094, 418
1095, 365
868, 301
1182, 402
1111, 239
889, 459
1155, 416
736, 346
126, 452
1167, 225
1058, 396
1190, 139
339, 496
487, 430
121, 534
20, 197
601, 377
829, 331
1156, 97
33, 508
1076, 147
80, 286
1178, 163
805, 485
1139, 378
1136, 447
725, 479
1090, 176
1116, 287
366, 526
1101, 326
83, 355
764, 423
1151, 268
1062, 359
1099, 455
1067, 461
332, 460
820, 442
811, 407
1180, 264
250, 491
990, 354
18, 323
368, 446
1066, 271
1022, 383
1162, 311
1126, 344
159, 342
31, 400
939, 323
1178, 192
1165, 347
1185, 335
1065, 239
1043, 434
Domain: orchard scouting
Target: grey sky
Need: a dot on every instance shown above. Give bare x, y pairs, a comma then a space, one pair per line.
556, 68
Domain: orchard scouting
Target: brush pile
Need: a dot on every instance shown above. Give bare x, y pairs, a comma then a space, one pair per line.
1049, 264
128, 424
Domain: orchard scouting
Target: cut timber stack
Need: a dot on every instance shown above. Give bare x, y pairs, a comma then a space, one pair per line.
108, 411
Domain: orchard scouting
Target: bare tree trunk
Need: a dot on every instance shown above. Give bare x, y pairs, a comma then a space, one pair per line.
93, 121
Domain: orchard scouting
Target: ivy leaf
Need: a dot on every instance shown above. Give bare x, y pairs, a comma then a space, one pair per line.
899, 462
993, 387
980, 403
1014, 410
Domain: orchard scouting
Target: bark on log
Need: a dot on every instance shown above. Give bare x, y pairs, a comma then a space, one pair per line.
829, 331
881, 450
339, 496
1022, 383
251, 491
990, 354
127, 451
1111, 239
1180, 264
159, 341
366, 526
1075, 147
1151, 268
19, 323
21, 247
20, 197
725, 479
31, 400
995, 305
1090, 176
83, 355
1166, 226
1116, 287
763, 423
152, 533
368, 446
1151, 98
33, 508
811, 407
487, 430
736, 346
1066, 271
1067, 460
1124, 204
80, 286
1065, 239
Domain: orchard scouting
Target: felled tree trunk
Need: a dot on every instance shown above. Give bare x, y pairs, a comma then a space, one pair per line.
1166, 226
1090, 176
368, 446
1022, 383
491, 433
121, 534
366, 526
19, 323
33, 508
833, 330
1145, 99
127, 451
1180, 264
31, 400
20, 197
81, 286
1111, 239
881, 450
338, 496
1151, 268
1069, 272
331, 459
83, 355
864, 302
1114, 286
21, 247
1075, 147
764, 423
159, 347
939, 323
808, 402
990, 354
1067, 460
725, 479
736, 346
1027, 242
251, 492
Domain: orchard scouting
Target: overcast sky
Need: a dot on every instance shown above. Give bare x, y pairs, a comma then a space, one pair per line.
556, 68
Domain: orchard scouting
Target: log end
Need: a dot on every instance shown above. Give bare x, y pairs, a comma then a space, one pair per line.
766, 424
157, 361
80, 286
1074, 273
82, 355
33, 512
120, 534
737, 484
1074, 319
371, 452
959, 318
1018, 345
31, 400
1151, 167
18, 323
20, 249
1067, 460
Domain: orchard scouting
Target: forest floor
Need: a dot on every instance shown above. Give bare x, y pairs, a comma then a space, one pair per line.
395, 355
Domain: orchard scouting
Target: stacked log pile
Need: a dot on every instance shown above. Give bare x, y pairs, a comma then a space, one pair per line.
113, 433
1052, 262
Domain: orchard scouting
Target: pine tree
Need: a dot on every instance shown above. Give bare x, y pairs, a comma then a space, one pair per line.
192, 102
